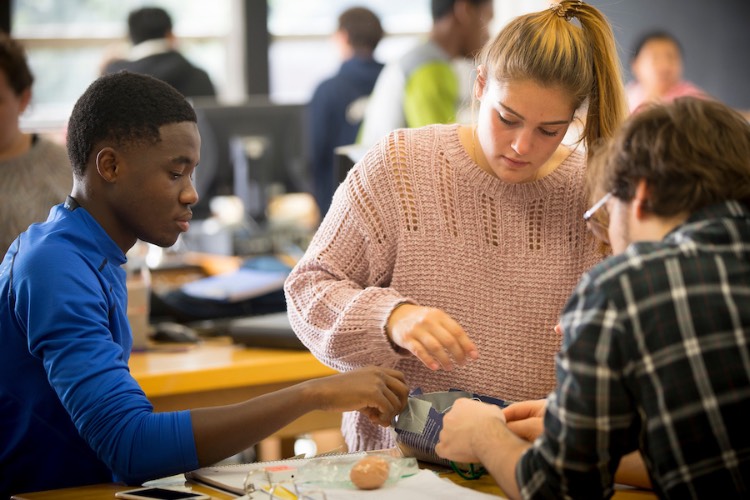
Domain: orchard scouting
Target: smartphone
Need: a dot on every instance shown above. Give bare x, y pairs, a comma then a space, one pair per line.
160, 494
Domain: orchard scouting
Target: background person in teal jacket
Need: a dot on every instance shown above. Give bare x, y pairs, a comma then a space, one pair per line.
422, 87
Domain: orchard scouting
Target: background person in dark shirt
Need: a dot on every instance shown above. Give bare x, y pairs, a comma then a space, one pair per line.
154, 53
338, 104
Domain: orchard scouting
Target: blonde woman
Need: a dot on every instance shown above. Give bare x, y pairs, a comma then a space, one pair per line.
449, 251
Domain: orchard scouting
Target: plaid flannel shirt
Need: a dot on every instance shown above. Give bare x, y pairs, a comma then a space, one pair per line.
656, 357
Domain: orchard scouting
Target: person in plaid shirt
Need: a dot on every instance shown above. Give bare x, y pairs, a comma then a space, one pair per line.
656, 339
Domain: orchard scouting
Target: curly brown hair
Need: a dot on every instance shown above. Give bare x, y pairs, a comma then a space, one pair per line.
692, 153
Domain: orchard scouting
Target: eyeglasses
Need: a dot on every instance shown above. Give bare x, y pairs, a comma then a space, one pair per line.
599, 226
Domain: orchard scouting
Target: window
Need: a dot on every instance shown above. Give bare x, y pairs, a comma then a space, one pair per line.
301, 53
68, 42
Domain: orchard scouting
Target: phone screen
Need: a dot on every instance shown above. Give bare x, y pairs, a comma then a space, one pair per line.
159, 494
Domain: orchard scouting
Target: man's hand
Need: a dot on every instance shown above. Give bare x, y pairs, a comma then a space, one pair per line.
379, 393
475, 432
526, 418
463, 425
435, 338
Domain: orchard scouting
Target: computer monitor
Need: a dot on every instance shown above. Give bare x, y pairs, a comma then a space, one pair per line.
252, 150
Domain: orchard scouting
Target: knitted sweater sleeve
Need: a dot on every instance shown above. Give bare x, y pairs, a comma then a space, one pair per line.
338, 295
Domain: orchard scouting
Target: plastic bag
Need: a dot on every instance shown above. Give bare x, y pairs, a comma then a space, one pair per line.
334, 472
418, 427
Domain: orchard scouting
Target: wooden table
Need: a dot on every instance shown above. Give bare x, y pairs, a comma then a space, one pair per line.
179, 376
104, 492
107, 491
216, 372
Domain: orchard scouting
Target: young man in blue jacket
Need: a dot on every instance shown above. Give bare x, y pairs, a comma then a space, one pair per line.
70, 412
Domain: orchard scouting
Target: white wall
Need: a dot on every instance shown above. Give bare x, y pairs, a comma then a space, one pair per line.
505, 10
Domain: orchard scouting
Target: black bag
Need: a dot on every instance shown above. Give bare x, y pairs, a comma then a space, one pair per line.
180, 306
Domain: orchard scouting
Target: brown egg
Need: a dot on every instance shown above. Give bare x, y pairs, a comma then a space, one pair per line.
370, 473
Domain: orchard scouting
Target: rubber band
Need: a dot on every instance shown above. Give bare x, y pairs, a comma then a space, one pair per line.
473, 472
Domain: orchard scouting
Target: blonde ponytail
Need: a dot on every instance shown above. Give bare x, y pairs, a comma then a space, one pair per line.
548, 48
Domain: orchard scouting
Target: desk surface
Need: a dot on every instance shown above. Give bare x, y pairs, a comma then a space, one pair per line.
216, 372
103, 492
216, 369
107, 491
218, 364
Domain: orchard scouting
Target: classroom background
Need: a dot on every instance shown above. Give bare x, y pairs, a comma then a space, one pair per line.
282, 48
266, 58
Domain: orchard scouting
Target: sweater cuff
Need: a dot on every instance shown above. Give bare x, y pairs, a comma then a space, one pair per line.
383, 311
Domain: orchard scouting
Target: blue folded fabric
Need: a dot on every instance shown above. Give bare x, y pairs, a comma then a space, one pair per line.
255, 277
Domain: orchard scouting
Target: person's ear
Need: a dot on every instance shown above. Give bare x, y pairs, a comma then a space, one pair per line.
634, 69
341, 36
344, 46
641, 200
461, 11
107, 164
24, 99
171, 38
480, 84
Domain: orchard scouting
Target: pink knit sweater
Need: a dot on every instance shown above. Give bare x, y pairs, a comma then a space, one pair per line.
418, 221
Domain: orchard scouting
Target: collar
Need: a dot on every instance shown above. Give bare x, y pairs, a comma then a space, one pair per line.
730, 209
149, 48
71, 203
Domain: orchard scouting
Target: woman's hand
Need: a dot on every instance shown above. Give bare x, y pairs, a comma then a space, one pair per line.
435, 338
379, 393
